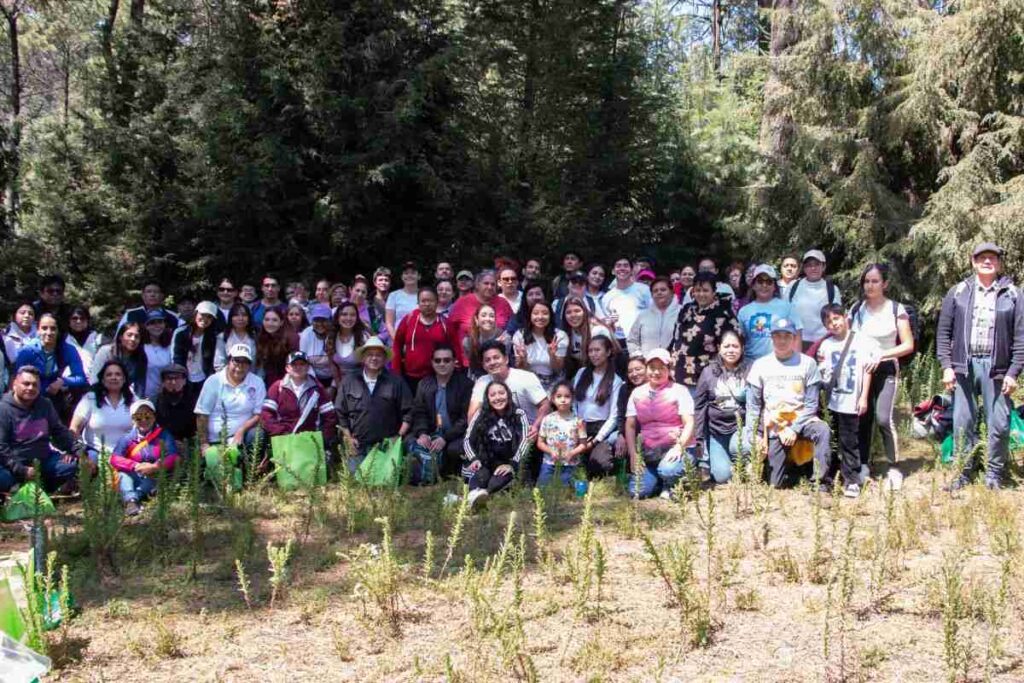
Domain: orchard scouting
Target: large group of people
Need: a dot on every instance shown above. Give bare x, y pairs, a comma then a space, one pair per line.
501, 374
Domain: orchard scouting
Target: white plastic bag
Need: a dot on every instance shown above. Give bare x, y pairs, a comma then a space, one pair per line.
18, 663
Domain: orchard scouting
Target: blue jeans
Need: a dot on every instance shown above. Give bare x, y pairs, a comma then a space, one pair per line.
134, 486
721, 453
56, 472
997, 415
7, 480
547, 470
658, 475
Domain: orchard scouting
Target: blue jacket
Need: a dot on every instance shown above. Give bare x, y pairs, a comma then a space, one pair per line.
953, 335
32, 354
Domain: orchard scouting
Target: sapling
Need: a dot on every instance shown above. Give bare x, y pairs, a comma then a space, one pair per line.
278, 556
457, 526
428, 554
194, 511
540, 530
243, 582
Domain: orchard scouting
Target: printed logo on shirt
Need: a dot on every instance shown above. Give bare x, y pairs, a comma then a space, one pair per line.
760, 325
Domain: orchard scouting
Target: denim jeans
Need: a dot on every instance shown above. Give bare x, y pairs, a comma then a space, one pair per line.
997, 415
659, 475
134, 486
721, 451
547, 471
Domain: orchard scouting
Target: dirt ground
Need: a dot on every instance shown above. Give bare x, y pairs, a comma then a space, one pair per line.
913, 586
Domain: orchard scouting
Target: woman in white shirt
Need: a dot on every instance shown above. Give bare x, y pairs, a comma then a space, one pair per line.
157, 345
888, 324
83, 337
596, 388
239, 331
508, 283
102, 416
21, 331
541, 348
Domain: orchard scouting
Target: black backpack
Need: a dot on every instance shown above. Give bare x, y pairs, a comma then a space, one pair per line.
915, 326
830, 290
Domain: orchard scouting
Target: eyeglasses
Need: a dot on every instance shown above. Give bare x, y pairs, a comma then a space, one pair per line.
444, 361
225, 289
509, 279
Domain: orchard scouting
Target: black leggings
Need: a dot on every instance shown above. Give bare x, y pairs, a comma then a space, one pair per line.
484, 478
600, 460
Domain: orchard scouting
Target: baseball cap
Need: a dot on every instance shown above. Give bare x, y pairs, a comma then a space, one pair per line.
320, 311
240, 351
297, 356
464, 274
765, 269
987, 246
173, 369
783, 325
658, 354
207, 307
140, 404
645, 274
816, 254
155, 314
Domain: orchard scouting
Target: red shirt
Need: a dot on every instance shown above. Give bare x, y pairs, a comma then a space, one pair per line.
460, 319
414, 343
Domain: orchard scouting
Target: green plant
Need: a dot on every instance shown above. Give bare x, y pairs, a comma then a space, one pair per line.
540, 529
243, 582
378, 576
102, 511
428, 555
278, 557
956, 643
455, 535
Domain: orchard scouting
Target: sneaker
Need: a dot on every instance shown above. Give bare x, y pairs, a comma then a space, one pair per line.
666, 494
960, 482
864, 474
475, 496
993, 484
894, 480
852, 491
132, 508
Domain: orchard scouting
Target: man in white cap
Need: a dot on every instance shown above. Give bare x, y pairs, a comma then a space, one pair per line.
374, 404
228, 408
980, 345
782, 406
809, 294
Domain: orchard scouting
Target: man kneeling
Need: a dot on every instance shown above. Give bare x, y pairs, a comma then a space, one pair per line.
782, 406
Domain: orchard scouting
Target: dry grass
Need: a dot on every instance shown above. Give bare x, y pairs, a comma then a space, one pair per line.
770, 603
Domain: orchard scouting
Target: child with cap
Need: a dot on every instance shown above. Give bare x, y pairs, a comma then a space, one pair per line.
139, 456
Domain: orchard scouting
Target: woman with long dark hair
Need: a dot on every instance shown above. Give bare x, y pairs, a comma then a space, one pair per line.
541, 347
157, 346
21, 330
103, 415
128, 348
273, 344
195, 344
83, 337
496, 440
596, 388
60, 368
238, 331
348, 335
296, 317
719, 406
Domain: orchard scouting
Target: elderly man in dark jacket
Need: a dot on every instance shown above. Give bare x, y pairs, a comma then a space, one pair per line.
372, 404
980, 345
439, 419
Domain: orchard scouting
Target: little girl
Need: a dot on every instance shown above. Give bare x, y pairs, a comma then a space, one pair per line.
562, 437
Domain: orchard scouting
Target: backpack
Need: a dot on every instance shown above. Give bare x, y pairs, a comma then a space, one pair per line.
915, 326
830, 290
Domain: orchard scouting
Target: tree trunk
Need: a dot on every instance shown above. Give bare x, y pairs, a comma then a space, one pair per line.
12, 200
777, 127
716, 36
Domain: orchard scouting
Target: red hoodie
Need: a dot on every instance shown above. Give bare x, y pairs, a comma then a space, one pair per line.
414, 344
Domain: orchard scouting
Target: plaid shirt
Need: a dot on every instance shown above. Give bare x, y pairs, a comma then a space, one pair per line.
983, 321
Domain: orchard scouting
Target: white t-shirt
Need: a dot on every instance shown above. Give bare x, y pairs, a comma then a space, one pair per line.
527, 391
627, 303
157, 358
880, 325
219, 400
807, 303
863, 350
587, 407
220, 353
402, 303
783, 386
538, 356
195, 361
104, 425
315, 349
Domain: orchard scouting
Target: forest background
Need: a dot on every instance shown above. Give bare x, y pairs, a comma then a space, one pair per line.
187, 139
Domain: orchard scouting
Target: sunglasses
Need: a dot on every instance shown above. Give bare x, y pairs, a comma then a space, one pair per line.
225, 289
509, 279
444, 361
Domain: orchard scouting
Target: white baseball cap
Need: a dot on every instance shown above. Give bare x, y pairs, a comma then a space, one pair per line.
658, 354
816, 254
207, 307
240, 351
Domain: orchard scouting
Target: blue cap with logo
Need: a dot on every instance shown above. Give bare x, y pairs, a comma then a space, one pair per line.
783, 325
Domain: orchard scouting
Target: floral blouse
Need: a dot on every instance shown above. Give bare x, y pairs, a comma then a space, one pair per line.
697, 334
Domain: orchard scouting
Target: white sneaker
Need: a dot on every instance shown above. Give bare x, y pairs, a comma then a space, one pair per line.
894, 480
665, 494
474, 496
865, 474
852, 491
